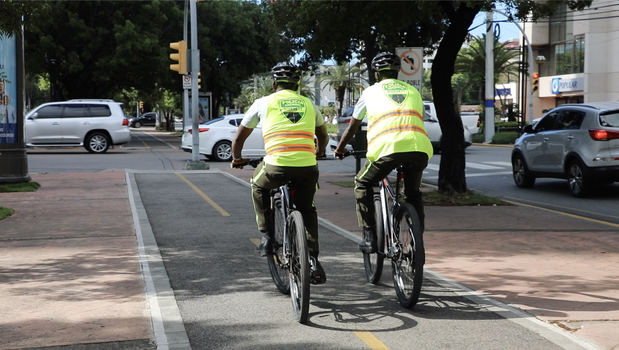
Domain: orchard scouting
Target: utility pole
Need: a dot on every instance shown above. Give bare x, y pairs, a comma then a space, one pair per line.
489, 101
195, 68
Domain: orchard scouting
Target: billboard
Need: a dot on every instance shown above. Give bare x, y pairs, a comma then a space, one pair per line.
8, 90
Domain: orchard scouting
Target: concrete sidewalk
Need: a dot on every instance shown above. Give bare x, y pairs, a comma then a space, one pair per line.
70, 274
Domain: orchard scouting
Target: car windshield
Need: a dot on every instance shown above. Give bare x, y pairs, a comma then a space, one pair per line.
610, 119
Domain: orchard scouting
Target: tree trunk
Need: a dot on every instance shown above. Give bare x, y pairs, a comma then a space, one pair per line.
451, 176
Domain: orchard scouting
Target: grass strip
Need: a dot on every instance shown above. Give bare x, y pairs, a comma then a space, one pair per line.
4, 212
30, 186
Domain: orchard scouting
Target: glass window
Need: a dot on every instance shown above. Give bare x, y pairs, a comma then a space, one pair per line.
53, 111
100, 111
570, 120
75, 111
547, 123
610, 119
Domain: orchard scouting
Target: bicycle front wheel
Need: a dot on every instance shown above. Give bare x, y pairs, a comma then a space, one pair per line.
373, 263
277, 261
299, 267
407, 266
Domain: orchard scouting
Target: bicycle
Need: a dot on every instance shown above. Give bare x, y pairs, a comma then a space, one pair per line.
403, 247
289, 264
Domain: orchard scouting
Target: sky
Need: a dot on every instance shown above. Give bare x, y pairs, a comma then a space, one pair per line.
508, 30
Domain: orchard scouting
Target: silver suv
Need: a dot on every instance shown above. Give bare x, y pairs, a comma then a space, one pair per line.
578, 142
94, 124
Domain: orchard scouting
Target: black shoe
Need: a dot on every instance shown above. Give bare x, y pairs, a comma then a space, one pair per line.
317, 274
265, 247
368, 245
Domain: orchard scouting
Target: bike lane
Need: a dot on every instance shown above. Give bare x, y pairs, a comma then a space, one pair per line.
226, 299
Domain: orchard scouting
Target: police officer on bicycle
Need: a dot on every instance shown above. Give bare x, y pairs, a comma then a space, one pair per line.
396, 135
289, 123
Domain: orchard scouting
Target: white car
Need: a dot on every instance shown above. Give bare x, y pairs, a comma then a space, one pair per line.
216, 139
94, 124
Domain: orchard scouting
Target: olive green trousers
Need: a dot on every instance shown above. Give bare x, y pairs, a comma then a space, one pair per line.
373, 172
303, 182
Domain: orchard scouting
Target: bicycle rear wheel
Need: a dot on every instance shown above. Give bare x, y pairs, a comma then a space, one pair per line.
299, 267
277, 261
373, 263
407, 267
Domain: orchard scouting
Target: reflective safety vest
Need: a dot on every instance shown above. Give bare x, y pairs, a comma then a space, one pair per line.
395, 120
288, 130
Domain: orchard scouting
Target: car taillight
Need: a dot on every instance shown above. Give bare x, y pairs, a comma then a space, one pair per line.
347, 121
199, 130
125, 122
603, 135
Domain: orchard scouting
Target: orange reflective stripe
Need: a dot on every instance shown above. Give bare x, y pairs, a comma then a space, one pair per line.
290, 148
399, 128
301, 134
411, 112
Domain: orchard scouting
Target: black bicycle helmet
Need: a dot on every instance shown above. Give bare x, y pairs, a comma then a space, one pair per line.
386, 61
285, 72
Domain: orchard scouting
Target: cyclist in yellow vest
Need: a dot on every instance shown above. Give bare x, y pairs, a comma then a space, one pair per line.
396, 135
289, 123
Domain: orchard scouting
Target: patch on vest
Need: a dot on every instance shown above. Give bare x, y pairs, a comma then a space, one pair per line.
396, 91
292, 108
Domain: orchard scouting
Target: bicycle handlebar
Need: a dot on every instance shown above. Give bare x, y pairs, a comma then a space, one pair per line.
247, 161
349, 153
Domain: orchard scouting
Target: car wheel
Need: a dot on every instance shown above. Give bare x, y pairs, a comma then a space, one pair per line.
97, 142
576, 178
222, 151
137, 124
522, 176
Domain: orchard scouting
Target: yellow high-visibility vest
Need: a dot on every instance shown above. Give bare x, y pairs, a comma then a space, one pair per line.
395, 120
288, 130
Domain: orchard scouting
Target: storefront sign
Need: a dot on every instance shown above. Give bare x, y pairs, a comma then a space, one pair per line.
560, 84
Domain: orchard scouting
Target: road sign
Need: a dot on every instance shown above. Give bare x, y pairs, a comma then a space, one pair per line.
411, 65
186, 82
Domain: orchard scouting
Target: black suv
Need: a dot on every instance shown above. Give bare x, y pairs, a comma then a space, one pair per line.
146, 119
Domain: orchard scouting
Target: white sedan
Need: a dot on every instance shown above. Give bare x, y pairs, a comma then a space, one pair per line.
216, 139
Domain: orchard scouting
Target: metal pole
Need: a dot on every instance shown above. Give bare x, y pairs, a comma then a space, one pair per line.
530, 66
489, 101
195, 68
186, 117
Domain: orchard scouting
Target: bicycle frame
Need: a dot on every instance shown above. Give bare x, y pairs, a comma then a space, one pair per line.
388, 192
286, 207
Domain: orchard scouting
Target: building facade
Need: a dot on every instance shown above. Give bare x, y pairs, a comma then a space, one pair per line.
575, 53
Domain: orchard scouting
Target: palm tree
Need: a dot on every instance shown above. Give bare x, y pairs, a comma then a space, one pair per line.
340, 78
471, 63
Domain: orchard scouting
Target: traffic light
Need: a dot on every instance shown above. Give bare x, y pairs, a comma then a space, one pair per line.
199, 81
180, 57
535, 81
141, 104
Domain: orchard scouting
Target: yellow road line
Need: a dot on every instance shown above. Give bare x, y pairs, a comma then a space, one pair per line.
564, 213
203, 195
371, 340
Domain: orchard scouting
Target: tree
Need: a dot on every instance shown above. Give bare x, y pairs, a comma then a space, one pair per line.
471, 63
340, 78
459, 16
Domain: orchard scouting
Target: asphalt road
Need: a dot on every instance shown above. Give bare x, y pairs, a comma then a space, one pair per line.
227, 299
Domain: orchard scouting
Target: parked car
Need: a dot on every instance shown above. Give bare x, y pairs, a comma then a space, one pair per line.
146, 119
578, 142
216, 139
429, 120
94, 124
